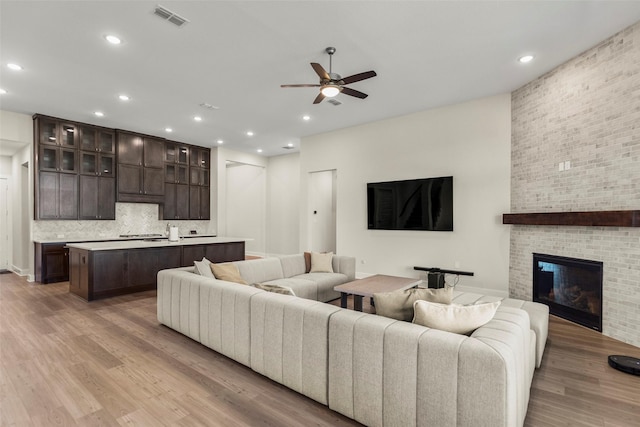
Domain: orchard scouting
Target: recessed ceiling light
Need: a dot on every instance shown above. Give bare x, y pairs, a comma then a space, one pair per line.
526, 58
123, 97
98, 113
306, 118
220, 141
168, 130
290, 144
249, 133
2, 91
197, 118
112, 39
259, 150
14, 67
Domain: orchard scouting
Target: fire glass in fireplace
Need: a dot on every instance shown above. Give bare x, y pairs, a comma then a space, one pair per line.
572, 288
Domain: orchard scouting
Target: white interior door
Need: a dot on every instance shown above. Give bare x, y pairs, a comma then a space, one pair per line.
322, 203
4, 223
245, 205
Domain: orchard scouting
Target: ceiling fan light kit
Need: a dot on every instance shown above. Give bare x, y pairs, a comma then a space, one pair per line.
331, 84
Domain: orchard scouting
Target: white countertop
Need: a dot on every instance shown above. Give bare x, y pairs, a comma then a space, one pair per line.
155, 243
110, 239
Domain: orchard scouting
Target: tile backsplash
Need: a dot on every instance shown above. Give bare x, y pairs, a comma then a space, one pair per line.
131, 218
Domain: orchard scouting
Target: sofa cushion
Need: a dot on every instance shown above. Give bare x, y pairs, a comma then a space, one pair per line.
459, 319
325, 283
203, 268
260, 270
228, 272
321, 263
292, 265
399, 304
303, 288
278, 289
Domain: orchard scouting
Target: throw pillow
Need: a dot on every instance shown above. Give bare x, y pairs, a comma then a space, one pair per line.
321, 263
399, 304
459, 319
278, 289
203, 268
227, 271
307, 262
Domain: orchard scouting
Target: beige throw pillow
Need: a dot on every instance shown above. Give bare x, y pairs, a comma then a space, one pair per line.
227, 271
278, 289
321, 263
459, 319
399, 304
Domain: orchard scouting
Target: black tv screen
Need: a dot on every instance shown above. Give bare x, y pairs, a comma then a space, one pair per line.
416, 204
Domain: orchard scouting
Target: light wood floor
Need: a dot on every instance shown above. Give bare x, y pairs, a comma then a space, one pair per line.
67, 362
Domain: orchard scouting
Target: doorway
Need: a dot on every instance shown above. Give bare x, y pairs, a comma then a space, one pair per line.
322, 204
4, 224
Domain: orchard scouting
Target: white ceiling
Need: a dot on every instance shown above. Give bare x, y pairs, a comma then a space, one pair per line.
236, 54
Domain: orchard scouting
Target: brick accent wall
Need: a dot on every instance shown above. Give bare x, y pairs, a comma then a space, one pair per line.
587, 112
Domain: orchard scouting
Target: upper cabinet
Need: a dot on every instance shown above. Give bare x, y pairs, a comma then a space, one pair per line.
82, 170
56, 169
97, 139
140, 168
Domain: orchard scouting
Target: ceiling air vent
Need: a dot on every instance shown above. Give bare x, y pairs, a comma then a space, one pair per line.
167, 15
334, 102
288, 147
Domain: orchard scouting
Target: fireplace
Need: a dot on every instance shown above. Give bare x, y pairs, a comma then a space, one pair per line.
572, 288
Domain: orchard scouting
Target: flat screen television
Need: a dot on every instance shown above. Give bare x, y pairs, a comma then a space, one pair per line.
416, 204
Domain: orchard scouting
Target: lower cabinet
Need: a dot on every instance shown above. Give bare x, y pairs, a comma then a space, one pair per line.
105, 273
220, 252
52, 262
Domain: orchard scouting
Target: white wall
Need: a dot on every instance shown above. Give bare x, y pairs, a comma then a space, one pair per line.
219, 157
16, 130
245, 202
469, 141
283, 201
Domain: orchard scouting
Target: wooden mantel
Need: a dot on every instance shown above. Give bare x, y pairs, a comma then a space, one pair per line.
591, 218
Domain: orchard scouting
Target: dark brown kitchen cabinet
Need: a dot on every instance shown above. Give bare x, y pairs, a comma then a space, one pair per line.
52, 262
176, 202
219, 252
140, 168
100, 274
93, 163
57, 159
57, 196
176, 152
200, 157
93, 138
199, 201
97, 197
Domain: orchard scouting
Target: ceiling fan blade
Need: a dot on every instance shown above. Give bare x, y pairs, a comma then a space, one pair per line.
321, 72
353, 92
301, 85
319, 98
360, 76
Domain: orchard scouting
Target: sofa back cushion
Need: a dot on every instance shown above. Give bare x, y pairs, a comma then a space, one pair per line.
293, 265
260, 270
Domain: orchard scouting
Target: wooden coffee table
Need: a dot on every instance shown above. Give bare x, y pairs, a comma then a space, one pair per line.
372, 285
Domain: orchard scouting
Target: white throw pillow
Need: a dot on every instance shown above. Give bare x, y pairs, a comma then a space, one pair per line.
459, 319
321, 263
203, 268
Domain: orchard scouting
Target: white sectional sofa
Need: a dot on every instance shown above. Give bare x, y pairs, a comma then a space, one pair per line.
376, 370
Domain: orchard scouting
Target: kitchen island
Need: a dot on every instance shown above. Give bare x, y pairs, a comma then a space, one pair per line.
105, 269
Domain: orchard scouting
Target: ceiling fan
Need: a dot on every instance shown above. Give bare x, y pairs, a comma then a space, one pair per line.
332, 83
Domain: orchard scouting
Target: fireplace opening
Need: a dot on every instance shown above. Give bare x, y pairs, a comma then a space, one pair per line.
572, 288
